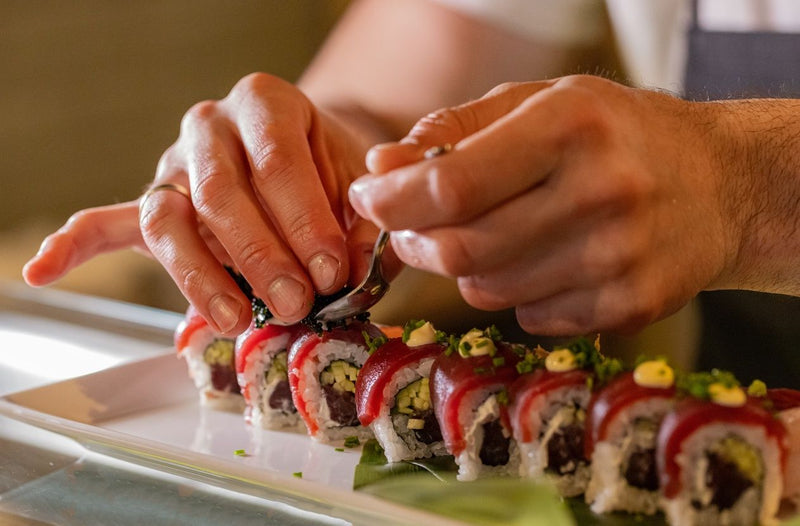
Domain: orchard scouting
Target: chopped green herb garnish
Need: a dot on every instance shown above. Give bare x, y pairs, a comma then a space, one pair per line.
498, 361
452, 345
530, 360
607, 369
697, 384
339, 449
502, 397
757, 389
240, 453
353, 441
524, 367
373, 343
479, 370
494, 333
298, 474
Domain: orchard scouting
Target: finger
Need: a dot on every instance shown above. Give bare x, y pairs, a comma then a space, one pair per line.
476, 246
292, 183
168, 225
382, 158
227, 205
513, 154
86, 234
583, 263
623, 306
449, 126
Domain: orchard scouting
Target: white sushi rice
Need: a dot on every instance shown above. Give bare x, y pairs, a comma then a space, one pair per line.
757, 505
391, 431
561, 407
607, 489
200, 372
470, 466
253, 380
311, 391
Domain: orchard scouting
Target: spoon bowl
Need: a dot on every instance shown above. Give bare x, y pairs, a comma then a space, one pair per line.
367, 294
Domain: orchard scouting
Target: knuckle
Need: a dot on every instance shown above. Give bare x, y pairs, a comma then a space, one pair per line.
271, 164
449, 122
481, 295
85, 224
253, 258
589, 116
301, 229
504, 88
153, 221
192, 280
210, 187
254, 82
602, 262
200, 112
455, 256
451, 189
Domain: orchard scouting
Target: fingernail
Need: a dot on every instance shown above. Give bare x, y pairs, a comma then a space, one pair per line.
359, 193
286, 296
225, 312
324, 270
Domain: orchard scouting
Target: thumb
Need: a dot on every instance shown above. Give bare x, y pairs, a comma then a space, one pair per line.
449, 126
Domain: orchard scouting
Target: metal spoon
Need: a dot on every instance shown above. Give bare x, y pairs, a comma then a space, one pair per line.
374, 285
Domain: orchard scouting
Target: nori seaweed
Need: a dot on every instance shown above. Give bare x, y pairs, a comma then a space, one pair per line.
261, 312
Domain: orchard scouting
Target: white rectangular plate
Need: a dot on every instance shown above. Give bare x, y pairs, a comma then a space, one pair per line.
148, 412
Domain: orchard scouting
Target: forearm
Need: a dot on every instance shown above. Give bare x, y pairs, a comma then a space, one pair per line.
379, 77
760, 163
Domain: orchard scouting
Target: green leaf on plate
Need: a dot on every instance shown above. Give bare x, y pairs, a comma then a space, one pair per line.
373, 466
491, 501
430, 485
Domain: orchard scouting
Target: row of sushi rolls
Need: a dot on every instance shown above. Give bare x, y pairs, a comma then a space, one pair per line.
641, 438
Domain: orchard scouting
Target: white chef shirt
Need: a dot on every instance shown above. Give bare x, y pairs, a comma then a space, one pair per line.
651, 34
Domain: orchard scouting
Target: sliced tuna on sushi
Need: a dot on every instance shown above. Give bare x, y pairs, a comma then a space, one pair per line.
547, 412
721, 456
209, 356
787, 403
393, 393
622, 425
261, 368
469, 392
323, 368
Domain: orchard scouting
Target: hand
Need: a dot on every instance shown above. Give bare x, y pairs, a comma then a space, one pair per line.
268, 174
586, 205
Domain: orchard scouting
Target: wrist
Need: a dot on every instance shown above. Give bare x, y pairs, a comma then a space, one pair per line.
758, 163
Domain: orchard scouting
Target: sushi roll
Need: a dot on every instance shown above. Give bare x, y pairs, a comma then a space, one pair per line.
393, 393
210, 359
261, 369
787, 403
547, 411
323, 368
721, 455
622, 425
468, 390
